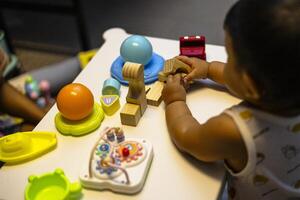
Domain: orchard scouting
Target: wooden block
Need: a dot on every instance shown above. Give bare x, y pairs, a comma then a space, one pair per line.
141, 100
130, 114
154, 96
162, 77
174, 66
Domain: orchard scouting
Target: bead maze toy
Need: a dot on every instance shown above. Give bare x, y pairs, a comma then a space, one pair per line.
23, 146
78, 113
137, 49
136, 100
52, 186
116, 163
192, 46
38, 92
110, 96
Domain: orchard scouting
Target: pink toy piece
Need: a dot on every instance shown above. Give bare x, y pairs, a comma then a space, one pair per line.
44, 85
33, 95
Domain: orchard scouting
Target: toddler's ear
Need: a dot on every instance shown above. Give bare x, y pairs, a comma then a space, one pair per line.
251, 90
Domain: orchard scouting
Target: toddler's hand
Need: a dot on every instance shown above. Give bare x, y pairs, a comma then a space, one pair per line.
199, 68
173, 90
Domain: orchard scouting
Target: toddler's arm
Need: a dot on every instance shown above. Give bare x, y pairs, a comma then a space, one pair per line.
14, 103
202, 69
217, 139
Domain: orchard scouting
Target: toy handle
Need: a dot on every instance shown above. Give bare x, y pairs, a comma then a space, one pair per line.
75, 191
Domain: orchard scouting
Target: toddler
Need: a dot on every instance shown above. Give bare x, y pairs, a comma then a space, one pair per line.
259, 139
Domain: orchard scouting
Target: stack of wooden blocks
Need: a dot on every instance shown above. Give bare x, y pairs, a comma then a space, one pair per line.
138, 97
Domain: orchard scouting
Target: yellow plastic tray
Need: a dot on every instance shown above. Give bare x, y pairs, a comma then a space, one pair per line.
23, 146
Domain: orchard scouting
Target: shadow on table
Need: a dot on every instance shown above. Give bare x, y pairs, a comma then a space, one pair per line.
199, 84
1, 164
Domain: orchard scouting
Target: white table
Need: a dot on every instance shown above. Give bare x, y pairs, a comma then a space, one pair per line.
172, 175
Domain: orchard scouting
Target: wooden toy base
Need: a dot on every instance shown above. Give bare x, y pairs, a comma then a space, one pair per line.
80, 127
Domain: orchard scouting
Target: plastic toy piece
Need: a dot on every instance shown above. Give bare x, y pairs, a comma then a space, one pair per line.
86, 56
192, 46
39, 92
151, 70
154, 96
23, 146
75, 101
134, 73
173, 66
110, 104
111, 87
117, 166
80, 127
52, 186
137, 49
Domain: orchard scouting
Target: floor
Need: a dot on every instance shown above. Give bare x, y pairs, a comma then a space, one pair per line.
158, 18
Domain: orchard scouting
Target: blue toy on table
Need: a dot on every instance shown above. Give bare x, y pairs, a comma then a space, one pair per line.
139, 50
136, 49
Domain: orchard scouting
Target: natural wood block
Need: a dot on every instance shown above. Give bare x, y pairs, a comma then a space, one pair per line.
154, 96
130, 114
139, 100
174, 66
162, 77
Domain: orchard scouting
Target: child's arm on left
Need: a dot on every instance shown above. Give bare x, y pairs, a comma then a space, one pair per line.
15, 103
217, 139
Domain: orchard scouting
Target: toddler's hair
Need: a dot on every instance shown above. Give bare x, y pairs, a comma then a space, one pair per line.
266, 42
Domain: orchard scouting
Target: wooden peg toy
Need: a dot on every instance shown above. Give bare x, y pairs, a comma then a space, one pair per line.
136, 97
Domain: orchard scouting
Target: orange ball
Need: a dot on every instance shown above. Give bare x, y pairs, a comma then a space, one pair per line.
75, 101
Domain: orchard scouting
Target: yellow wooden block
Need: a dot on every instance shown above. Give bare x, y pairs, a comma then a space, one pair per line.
130, 114
154, 96
110, 103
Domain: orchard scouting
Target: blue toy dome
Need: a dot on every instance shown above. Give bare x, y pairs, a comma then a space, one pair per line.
136, 49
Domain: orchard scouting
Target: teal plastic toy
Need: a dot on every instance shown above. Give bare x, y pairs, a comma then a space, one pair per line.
111, 87
136, 48
52, 186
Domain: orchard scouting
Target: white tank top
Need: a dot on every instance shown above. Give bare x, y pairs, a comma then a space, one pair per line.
273, 147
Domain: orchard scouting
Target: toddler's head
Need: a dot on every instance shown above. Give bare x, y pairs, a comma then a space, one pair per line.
263, 42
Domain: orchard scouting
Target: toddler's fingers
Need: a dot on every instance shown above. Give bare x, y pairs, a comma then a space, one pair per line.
177, 78
170, 78
191, 76
185, 59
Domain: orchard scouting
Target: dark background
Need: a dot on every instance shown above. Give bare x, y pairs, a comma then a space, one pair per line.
158, 18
